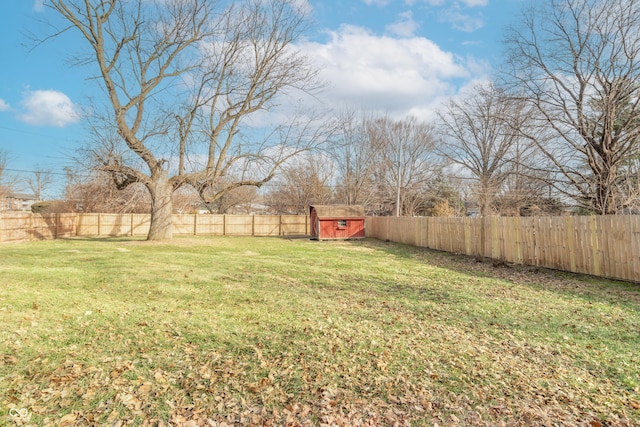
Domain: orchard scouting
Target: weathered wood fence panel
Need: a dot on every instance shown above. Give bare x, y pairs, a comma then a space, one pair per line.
238, 225
209, 225
25, 226
607, 246
267, 226
16, 227
112, 225
292, 225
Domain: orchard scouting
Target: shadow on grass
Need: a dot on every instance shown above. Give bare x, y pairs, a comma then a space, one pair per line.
586, 287
104, 239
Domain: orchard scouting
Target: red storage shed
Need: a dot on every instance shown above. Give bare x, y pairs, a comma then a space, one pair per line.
337, 222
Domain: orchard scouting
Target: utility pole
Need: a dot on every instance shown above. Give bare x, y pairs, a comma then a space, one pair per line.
398, 178
398, 195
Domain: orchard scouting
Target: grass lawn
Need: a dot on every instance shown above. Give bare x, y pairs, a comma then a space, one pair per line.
266, 331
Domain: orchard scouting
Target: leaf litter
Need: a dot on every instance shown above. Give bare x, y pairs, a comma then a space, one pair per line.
347, 357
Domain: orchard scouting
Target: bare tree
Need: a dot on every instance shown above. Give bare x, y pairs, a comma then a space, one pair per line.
97, 192
407, 159
630, 179
356, 157
4, 190
302, 184
575, 62
442, 197
480, 136
6, 185
3, 162
187, 87
187, 201
528, 186
238, 200
39, 182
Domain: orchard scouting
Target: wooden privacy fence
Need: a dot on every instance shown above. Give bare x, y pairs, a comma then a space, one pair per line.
607, 246
16, 227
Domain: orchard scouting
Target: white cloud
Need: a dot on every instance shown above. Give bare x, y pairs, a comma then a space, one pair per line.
461, 21
457, 13
4, 106
48, 108
38, 5
376, 2
474, 3
303, 6
405, 26
429, 2
467, 3
396, 76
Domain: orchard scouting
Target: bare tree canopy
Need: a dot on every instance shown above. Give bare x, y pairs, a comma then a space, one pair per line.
189, 88
39, 183
4, 188
99, 194
481, 137
303, 184
356, 159
576, 62
407, 160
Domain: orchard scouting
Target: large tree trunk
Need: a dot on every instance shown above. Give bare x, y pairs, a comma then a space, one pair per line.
161, 208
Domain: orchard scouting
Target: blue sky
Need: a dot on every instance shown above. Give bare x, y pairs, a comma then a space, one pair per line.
397, 57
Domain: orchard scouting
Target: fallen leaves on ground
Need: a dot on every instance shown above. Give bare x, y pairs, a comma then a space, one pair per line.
335, 379
364, 356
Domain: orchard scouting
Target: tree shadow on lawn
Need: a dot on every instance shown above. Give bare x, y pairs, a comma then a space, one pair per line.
589, 288
104, 239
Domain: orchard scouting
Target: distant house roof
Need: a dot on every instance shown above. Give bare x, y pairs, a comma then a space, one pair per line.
23, 196
338, 211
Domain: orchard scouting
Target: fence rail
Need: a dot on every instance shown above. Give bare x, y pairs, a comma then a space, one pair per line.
607, 246
19, 226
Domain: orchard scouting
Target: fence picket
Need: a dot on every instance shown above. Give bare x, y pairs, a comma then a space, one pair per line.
22, 226
602, 246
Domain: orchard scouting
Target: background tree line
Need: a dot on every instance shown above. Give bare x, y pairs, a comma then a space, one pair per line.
555, 130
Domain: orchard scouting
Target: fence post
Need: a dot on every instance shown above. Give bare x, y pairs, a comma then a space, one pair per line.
467, 235
634, 226
388, 228
571, 243
195, 224
593, 231
518, 240
539, 239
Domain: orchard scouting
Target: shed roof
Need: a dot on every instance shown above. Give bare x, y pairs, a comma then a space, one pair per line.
338, 211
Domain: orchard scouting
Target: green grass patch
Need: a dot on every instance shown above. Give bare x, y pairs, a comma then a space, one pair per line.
249, 331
